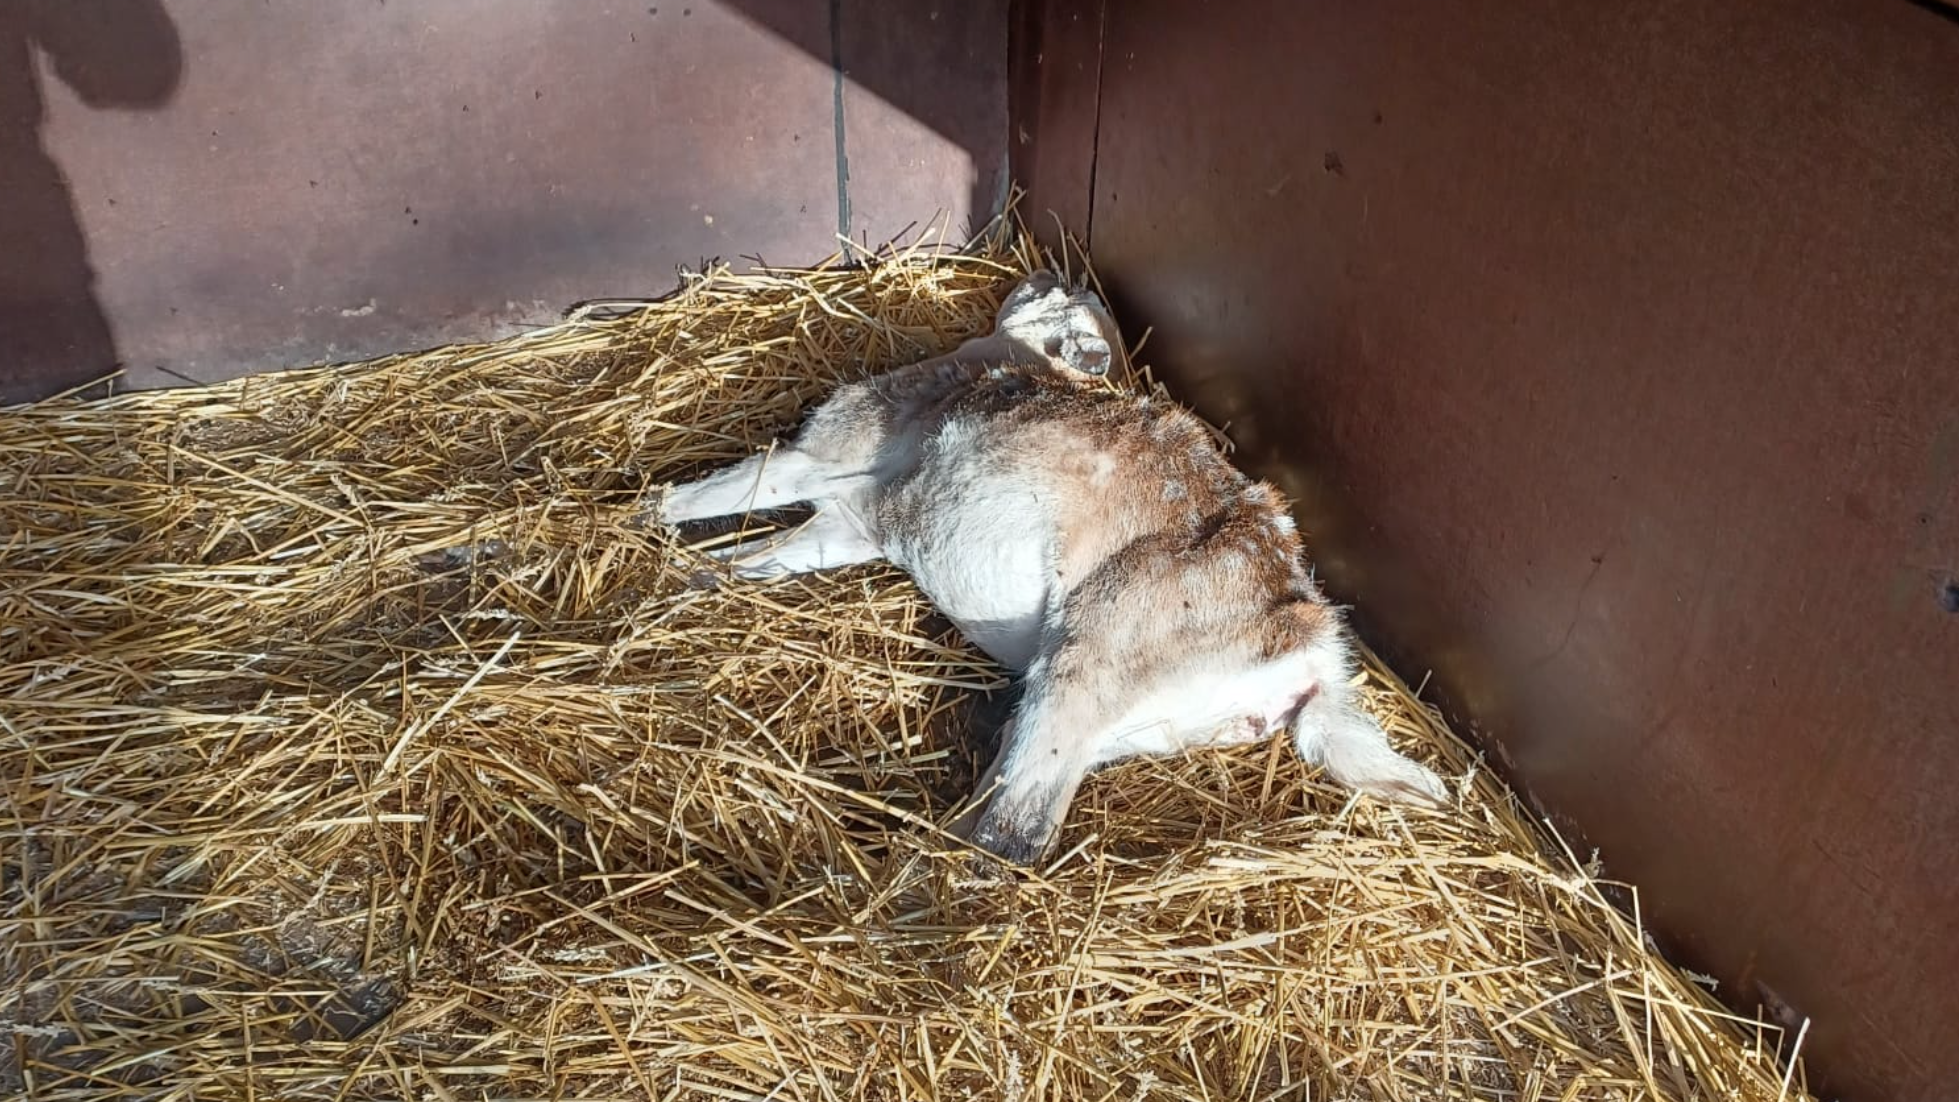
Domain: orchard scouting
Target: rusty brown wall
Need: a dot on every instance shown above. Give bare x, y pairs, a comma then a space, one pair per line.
1614, 352
197, 189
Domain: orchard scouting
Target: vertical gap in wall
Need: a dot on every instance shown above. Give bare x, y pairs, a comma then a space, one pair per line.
983, 220
1026, 38
836, 95
1095, 130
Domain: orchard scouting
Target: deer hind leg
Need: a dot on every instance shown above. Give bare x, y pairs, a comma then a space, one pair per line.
1106, 700
1071, 724
1045, 754
1105, 663
1078, 716
1103, 658
989, 782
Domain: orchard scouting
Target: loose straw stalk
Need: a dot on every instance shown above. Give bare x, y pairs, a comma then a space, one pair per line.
357, 744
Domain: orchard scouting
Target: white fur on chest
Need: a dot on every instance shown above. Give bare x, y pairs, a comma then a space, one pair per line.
979, 542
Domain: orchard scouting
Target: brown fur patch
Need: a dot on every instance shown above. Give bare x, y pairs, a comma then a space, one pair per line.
1293, 625
1138, 481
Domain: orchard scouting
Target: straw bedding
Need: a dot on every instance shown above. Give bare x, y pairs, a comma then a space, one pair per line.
357, 744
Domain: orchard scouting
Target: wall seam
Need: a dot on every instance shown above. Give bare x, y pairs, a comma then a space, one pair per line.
836, 95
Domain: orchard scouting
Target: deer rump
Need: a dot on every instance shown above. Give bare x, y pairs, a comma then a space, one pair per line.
1094, 542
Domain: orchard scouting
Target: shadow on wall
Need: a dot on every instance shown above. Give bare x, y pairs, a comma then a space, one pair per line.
113, 54
875, 46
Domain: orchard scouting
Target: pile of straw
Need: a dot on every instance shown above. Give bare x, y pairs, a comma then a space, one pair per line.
302, 801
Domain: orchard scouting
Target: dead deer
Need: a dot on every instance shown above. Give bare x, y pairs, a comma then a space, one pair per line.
1094, 541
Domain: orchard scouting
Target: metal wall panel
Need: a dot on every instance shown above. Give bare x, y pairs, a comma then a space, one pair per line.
1610, 350
202, 189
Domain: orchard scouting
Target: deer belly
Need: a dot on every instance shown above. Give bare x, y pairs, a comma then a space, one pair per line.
983, 556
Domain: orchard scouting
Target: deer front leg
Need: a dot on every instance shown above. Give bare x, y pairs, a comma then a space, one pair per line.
832, 456
830, 539
784, 475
